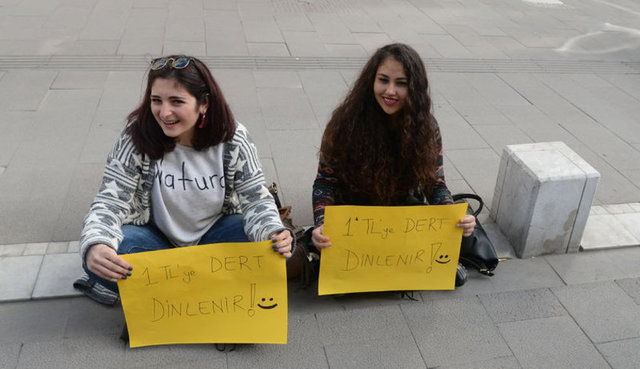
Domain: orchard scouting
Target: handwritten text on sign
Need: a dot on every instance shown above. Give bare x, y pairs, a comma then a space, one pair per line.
377, 248
231, 293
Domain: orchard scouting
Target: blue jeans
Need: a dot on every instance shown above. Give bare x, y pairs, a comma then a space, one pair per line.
149, 238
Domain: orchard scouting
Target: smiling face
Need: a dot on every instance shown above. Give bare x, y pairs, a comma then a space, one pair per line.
390, 86
269, 301
175, 109
443, 259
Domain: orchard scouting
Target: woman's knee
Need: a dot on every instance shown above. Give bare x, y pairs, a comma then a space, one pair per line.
229, 228
140, 239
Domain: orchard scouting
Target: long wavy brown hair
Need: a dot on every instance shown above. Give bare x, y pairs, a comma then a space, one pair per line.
384, 162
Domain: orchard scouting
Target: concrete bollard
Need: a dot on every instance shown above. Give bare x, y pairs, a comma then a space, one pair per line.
542, 198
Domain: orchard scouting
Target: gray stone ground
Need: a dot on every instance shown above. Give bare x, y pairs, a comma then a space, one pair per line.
502, 72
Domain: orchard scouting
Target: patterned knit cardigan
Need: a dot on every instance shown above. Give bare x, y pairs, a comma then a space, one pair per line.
125, 193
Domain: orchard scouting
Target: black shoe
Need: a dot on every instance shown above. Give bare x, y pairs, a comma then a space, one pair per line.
408, 295
225, 347
124, 336
461, 275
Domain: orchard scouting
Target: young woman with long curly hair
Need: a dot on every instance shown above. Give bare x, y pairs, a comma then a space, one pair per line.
382, 145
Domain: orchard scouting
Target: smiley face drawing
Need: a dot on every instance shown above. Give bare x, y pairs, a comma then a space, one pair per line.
443, 259
267, 307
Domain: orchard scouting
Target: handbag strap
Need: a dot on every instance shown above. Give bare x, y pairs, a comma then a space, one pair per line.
462, 196
273, 190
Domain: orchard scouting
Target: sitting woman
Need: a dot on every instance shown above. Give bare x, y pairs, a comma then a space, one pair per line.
382, 145
182, 173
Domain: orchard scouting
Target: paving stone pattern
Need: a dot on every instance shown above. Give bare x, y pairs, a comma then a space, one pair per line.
544, 327
538, 84
501, 72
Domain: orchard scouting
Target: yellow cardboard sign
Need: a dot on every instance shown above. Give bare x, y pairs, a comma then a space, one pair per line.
397, 248
225, 293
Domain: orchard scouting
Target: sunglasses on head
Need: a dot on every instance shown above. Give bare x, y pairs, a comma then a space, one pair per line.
177, 63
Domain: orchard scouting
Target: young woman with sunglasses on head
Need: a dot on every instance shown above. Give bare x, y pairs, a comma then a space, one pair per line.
382, 145
182, 173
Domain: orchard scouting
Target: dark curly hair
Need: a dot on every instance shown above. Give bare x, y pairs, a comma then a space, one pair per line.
196, 78
384, 162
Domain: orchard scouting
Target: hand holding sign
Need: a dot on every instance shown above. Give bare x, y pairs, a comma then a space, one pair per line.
390, 248
231, 293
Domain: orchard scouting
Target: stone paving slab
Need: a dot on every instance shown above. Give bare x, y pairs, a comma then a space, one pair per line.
490, 102
333, 330
614, 186
609, 146
630, 222
197, 364
12, 250
339, 327
24, 89
39, 270
303, 350
479, 167
57, 248
627, 261
57, 274
602, 231
34, 321
499, 136
263, 49
172, 355
89, 318
596, 266
456, 133
522, 305
555, 342
629, 84
603, 310
509, 362
393, 352
442, 327
500, 243
512, 275
292, 169
39, 248
9, 353
537, 126
305, 300
80, 80
621, 354
632, 287
18, 276
83, 187
286, 108
68, 353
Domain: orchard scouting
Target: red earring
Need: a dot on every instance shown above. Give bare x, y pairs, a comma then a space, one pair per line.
202, 121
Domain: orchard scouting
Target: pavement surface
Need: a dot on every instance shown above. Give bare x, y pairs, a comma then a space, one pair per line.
502, 72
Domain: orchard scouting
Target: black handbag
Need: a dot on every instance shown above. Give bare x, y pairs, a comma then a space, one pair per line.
476, 250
